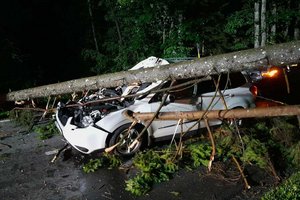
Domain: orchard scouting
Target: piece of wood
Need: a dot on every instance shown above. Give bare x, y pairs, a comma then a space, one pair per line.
220, 114
278, 55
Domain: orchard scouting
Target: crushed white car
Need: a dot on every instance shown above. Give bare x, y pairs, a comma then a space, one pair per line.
91, 124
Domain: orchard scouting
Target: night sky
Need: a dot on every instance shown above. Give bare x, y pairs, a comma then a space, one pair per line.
41, 41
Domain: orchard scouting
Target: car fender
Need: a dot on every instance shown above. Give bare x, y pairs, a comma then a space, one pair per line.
114, 120
85, 140
242, 103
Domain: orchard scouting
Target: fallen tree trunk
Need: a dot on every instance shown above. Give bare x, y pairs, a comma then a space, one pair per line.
218, 114
278, 55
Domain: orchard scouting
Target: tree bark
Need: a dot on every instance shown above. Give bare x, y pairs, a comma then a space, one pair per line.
287, 23
263, 22
273, 27
93, 26
220, 114
297, 24
118, 31
256, 24
279, 55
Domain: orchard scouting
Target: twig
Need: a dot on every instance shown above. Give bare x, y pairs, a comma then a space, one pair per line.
154, 116
240, 137
46, 110
53, 104
111, 148
213, 152
272, 169
207, 109
141, 94
247, 186
179, 147
32, 103
174, 134
57, 154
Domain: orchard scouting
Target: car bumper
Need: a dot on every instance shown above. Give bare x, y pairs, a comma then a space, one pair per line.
86, 140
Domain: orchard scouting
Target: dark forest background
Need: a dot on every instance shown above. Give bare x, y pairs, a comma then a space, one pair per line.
49, 41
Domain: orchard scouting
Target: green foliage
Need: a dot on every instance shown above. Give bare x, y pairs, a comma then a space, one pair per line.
98, 61
246, 146
253, 145
4, 114
161, 28
199, 153
106, 160
227, 143
138, 185
176, 51
255, 152
46, 131
154, 168
22, 117
284, 132
240, 28
294, 155
92, 165
289, 190
283, 136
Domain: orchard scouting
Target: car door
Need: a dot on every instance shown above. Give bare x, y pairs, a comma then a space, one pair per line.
234, 92
179, 100
168, 127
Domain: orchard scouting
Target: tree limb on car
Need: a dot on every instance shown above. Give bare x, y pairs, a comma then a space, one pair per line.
219, 114
278, 55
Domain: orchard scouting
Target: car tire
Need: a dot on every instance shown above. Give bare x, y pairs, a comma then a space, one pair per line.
123, 148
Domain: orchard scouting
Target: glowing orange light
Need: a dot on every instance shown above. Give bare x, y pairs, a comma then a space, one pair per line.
270, 73
254, 90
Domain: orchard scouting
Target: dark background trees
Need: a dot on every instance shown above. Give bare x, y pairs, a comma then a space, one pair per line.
50, 41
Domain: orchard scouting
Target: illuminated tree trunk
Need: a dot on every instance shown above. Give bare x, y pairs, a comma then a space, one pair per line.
256, 25
273, 26
263, 23
93, 26
297, 25
278, 55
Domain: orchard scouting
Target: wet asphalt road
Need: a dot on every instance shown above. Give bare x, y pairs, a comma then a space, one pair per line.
26, 173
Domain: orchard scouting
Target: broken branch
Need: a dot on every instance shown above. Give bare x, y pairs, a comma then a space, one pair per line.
222, 114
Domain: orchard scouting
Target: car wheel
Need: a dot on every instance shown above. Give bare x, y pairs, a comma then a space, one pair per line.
126, 139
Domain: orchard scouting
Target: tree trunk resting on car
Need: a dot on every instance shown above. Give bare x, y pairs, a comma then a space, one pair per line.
218, 114
278, 55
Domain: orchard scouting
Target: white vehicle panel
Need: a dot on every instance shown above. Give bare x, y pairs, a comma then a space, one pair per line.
89, 138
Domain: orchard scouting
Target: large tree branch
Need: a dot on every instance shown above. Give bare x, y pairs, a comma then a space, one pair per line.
217, 114
279, 54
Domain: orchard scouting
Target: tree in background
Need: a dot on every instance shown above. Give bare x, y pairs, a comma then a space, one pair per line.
138, 29
63, 40
268, 22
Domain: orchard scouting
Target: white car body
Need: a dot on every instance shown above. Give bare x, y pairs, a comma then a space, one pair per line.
94, 137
